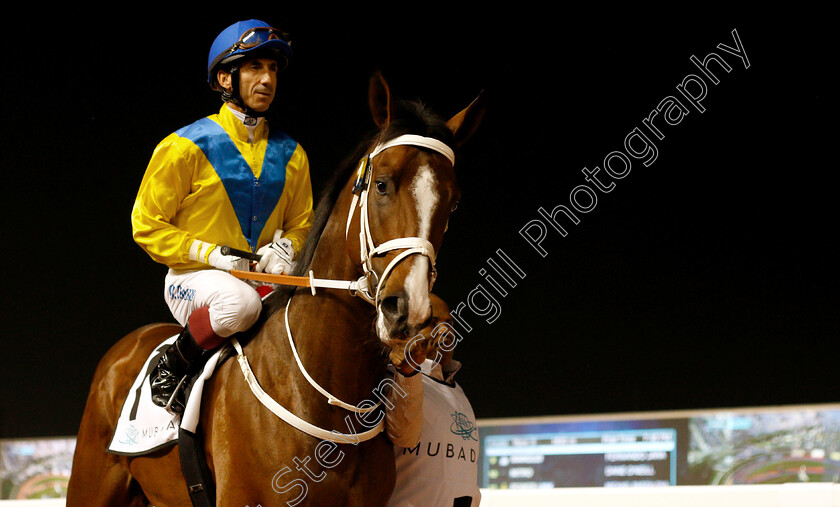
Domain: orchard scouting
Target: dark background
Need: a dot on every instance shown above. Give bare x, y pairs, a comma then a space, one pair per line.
706, 280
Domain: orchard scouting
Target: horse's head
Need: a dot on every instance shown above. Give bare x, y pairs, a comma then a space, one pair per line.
406, 189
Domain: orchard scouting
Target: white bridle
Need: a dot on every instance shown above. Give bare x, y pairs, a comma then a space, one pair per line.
409, 245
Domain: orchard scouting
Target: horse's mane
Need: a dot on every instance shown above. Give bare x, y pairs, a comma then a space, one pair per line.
410, 117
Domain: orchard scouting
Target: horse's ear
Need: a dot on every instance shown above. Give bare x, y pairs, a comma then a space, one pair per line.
464, 124
379, 98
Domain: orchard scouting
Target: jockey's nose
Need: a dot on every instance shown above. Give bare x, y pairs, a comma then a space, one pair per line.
394, 308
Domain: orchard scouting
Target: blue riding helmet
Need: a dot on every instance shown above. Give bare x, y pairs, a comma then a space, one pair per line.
243, 38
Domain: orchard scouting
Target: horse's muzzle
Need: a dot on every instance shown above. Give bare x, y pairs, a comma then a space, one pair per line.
398, 320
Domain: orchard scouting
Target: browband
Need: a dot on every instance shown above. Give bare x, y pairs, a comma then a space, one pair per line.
415, 140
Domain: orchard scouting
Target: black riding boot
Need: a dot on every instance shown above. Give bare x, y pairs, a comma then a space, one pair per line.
170, 378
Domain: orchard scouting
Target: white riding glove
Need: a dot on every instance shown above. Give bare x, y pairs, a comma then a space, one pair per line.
209, 253
277, 256
227, 262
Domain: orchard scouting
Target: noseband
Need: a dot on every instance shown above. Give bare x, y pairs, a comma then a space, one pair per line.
410, 245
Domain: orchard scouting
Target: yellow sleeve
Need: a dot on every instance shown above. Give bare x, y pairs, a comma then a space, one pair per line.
297, 216
165, 185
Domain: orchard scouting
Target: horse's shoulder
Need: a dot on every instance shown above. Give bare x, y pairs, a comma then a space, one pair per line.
138, 344
156, 330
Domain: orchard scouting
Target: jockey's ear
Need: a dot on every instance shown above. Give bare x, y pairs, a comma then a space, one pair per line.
224, 79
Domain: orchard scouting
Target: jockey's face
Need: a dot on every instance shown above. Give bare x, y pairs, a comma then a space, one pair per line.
257, 82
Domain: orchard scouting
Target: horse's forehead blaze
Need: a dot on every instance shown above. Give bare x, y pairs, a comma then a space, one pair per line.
424, 184
405, 164
425, 193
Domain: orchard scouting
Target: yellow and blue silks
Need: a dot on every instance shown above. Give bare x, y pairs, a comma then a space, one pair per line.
207, 182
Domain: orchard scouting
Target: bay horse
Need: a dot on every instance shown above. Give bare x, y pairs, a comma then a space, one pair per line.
253, 457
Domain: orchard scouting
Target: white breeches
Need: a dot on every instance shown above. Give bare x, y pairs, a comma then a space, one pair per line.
234, 306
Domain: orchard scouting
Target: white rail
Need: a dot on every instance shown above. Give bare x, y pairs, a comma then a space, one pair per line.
781, 495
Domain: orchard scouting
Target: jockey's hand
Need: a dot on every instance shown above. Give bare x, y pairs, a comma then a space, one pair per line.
227, 262
404, 361
276, 257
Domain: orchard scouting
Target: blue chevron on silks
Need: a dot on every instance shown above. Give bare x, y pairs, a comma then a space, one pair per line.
253, 198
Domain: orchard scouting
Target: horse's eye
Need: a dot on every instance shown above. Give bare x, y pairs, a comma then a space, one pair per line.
381, 187
454, 207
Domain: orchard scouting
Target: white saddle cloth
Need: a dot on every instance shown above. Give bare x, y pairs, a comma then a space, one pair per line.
143, 426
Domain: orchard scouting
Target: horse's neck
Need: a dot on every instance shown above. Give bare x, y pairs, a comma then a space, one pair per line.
332, 334
332, 330
330, 259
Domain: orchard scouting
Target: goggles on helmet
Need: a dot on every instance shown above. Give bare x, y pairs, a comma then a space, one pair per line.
256, 36
253, 38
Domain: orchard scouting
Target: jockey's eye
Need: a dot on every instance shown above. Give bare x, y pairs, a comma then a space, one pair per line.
381, 187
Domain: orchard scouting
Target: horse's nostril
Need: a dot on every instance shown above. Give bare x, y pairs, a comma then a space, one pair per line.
395, 309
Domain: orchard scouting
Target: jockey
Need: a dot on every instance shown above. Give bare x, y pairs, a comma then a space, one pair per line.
227, 179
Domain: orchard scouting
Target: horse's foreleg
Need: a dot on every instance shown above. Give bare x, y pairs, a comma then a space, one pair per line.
102, 481
99, 478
